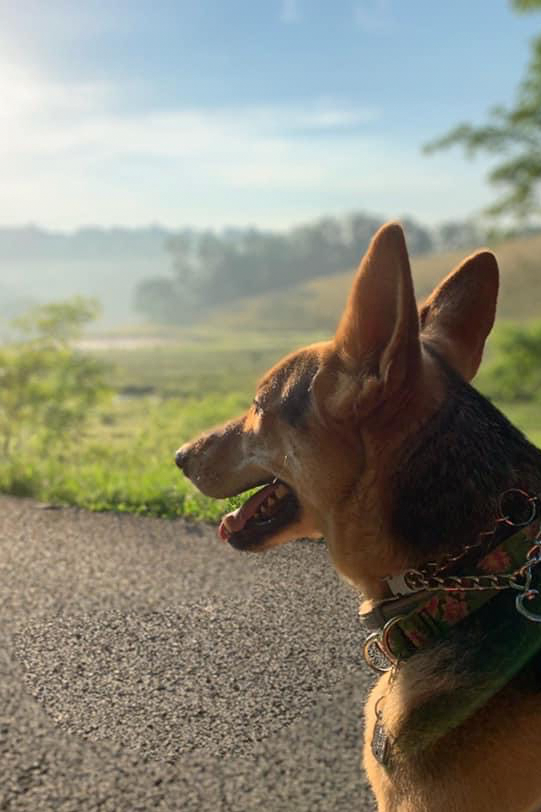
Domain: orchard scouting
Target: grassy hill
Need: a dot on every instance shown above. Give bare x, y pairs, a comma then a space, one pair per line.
176, 383
317, 304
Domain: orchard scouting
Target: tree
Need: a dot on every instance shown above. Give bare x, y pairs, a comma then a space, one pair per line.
514, 133
212, 268
47, 387
160, 300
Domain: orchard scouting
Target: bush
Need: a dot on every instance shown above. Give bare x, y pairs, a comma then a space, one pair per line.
47, 387
515, 373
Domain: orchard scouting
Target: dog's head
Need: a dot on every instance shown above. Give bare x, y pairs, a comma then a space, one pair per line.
329, 422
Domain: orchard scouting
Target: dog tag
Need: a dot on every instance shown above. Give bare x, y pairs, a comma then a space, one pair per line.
380, 743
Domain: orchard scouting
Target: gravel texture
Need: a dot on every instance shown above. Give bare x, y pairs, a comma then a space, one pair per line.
145, 665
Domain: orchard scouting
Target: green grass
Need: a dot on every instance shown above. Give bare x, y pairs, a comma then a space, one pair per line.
124, 461
124, 458
202, 363
165, 395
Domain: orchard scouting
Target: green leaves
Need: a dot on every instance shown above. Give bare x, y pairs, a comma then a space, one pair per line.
512, 133
526, 5
47, 388
515, 373
57, 322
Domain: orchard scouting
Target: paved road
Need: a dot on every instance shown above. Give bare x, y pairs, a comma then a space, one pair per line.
146, 666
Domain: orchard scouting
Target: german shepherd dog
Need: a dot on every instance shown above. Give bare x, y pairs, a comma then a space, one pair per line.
376, 441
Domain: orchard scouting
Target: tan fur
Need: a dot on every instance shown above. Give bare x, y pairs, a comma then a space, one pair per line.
375, 387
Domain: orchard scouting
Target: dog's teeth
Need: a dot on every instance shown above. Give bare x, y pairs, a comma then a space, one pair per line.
268, 506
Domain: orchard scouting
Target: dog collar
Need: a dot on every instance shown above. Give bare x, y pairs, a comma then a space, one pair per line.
426, 604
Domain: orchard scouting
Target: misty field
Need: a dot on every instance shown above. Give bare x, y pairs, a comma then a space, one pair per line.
123, 457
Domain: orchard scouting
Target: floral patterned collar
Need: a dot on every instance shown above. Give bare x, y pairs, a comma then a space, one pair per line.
475, 614
405, 624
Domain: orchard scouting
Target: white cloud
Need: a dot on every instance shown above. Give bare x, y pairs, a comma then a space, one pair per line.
41, 118
70, 157
26, 94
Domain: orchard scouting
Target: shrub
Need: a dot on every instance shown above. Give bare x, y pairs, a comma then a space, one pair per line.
515, 373
47, 387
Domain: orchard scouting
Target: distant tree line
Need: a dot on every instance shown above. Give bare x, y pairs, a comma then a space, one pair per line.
210, 268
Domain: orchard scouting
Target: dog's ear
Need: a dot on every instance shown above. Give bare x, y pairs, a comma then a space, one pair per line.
378, 336
459, 314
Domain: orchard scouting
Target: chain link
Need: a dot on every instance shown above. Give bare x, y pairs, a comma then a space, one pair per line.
433, 568
429, 578
519, 579
418, 581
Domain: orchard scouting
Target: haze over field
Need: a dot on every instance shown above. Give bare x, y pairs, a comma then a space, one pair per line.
174, 277
249, 133
38, 266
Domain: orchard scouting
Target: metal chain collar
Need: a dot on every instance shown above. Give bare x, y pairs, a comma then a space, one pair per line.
429, 579
419, 582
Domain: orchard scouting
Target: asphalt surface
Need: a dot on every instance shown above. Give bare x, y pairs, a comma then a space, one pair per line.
144, 665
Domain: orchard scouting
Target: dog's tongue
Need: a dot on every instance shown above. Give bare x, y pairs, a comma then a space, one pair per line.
237, 519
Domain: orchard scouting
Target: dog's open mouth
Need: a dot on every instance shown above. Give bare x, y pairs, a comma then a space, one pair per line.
263, 514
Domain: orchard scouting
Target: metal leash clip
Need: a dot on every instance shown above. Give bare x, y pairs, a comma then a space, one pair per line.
377, 651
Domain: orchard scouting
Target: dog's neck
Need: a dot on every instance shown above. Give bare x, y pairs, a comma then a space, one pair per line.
446, 485
448, 481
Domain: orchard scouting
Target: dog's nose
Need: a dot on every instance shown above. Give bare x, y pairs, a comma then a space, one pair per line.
181, 457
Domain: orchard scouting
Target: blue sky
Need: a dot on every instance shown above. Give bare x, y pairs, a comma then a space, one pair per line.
270, 112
